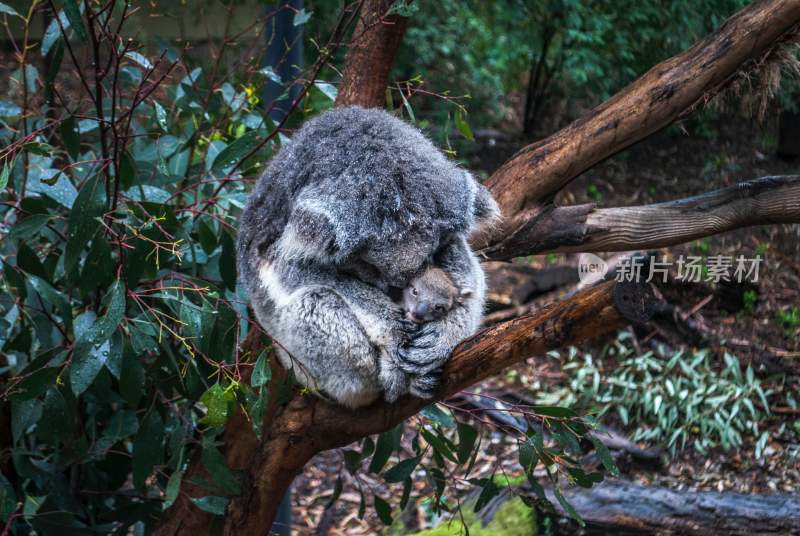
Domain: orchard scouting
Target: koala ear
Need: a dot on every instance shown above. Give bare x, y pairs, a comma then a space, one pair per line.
485, 207
309, 233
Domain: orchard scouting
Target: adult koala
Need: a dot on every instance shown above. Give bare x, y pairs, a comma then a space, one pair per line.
353, 207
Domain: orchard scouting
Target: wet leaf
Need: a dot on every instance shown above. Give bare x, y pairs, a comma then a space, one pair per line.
148, 448
211, 504
73, 13
84, 217
92, 349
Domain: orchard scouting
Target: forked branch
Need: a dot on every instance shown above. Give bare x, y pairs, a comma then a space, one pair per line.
768, 200
667, 92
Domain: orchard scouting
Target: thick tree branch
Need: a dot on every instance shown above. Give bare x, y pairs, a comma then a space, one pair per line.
308, 424
667, 92
375, 41
768, 200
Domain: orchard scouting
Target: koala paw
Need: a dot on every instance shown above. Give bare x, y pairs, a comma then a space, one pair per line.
416, 357
425, 386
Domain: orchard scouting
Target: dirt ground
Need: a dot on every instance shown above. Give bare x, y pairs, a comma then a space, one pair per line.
673, 164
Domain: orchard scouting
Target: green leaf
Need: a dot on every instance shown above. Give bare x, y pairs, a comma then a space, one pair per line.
568, 507
301, 17
72, 141
28, 227
270, 73
8, 498
402, 470
73, 13
463, 126
605, 455
10, 11
407, 483
553, 411
173, 488
211, 504
404, 9
4, 176
383, 450
217, 401
161, 116
28, 261
92, 349
83, 222
127, 170
467, 435
55, 66
34, 384
98, 269
327, 89
148, 448
435, 413
52, 296
337, 491
489, 491
440, 444
131, 381
9, 109
227, 480
227, 261
233, 153
53, 32
527, 456
121, 425
383, 510
261, 371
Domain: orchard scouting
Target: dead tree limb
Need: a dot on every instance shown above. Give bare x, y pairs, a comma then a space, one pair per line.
768, 200
669, 91
613, 507
375, 41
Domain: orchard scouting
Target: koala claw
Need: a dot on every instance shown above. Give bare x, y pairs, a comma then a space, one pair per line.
426, 385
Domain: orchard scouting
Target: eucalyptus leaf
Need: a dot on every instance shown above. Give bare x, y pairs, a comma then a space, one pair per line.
92, 349
75, 18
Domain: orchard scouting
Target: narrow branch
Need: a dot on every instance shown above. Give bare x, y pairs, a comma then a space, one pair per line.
768, 200
376, 38
664, 94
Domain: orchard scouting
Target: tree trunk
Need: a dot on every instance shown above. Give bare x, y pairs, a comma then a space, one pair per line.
375, 41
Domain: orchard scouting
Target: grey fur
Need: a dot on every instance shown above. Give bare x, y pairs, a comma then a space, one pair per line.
355, 205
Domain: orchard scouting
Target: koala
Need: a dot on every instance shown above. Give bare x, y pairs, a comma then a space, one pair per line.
344, 216
431, 295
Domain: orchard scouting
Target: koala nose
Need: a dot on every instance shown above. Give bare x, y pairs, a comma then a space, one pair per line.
421, 309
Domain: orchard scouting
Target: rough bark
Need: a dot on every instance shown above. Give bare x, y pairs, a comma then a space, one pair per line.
768, 200
624, 508
667, 92
375, 41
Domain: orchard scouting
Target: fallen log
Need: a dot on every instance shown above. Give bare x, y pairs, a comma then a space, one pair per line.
616, 507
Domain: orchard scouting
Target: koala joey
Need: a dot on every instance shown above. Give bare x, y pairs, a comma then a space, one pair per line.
431, 295
346, 213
